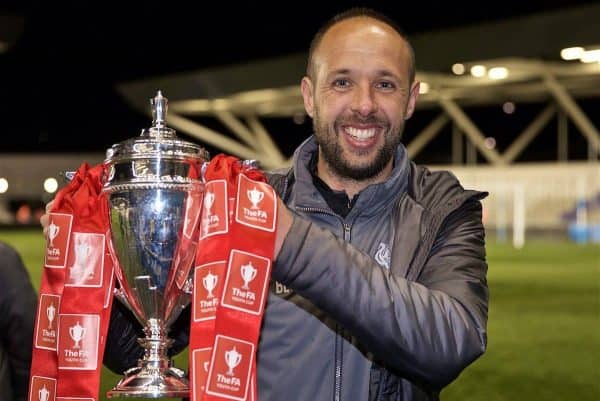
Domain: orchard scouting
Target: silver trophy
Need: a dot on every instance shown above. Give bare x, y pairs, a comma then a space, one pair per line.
154, 190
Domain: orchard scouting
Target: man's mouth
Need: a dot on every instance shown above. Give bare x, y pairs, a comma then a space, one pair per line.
360, 134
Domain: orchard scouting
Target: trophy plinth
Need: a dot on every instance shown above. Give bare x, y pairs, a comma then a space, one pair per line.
154, 377
154, 189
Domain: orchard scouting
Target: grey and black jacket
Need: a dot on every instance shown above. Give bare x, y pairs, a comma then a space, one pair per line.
388, 303
18, 302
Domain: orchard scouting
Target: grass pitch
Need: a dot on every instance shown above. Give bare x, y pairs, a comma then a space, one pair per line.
543, 328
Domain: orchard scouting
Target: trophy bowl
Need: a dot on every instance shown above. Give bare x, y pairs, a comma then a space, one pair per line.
154, 192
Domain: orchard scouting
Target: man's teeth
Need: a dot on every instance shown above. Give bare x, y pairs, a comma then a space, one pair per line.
360, 133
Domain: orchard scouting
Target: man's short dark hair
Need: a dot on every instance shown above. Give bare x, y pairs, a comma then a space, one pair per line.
353, 13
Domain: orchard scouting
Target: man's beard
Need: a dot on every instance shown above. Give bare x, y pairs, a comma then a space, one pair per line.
333, 153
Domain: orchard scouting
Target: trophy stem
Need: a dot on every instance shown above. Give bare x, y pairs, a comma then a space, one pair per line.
154, 377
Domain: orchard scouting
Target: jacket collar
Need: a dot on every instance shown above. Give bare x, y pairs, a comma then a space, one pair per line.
370, 200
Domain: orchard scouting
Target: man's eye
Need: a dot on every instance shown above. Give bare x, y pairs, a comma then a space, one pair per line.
386, 85
341, 83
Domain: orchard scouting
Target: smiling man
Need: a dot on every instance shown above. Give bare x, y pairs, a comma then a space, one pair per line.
379, 289
359, 90
382, 261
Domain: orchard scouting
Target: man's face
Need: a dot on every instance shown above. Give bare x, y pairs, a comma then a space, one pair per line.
359, 97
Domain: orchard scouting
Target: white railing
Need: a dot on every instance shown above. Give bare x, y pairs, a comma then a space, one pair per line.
532, 195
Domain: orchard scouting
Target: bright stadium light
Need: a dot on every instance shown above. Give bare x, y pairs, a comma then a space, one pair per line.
571, 53
458, 68
3, 185
498, 73
590, 56
423, 88
50, 185
508, 107
478, 71
490, 142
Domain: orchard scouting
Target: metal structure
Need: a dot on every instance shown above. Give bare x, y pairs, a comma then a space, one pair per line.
241, 96
554, 83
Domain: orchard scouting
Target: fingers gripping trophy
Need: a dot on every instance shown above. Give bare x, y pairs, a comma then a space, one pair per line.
154, 189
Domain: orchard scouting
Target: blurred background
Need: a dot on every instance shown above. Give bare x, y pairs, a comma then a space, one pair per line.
510, 103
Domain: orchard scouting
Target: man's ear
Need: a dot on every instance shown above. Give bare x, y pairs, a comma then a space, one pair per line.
307, 89
412, 99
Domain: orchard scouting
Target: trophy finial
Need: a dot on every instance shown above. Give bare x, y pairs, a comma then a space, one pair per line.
159, 110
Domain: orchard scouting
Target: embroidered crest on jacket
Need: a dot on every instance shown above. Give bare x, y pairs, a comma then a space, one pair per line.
383, 255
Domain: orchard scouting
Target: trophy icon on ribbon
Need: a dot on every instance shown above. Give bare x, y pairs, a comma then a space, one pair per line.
82, 252
209, 200
210, 282
232, 359
50, 313
81, 269
77, 332
248, 274
43, 394
255, 196
53, 231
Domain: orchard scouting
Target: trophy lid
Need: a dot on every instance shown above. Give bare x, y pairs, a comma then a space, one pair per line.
158, 141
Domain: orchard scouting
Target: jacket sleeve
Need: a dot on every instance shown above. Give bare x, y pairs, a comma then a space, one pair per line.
17, 312
426, 331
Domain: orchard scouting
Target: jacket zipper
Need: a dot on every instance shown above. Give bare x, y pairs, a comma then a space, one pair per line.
339, 343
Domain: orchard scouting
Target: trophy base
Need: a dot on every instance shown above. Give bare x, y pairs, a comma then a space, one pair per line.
145, 383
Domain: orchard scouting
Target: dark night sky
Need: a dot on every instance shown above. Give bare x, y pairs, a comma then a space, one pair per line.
57, 81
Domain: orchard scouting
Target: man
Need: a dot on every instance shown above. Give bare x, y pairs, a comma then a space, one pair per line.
366, 220
379, 284
18, 302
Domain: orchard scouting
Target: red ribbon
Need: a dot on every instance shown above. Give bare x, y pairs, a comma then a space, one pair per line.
231, 276
75, 293
233, 268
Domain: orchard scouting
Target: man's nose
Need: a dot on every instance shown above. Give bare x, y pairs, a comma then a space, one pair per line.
364, 102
